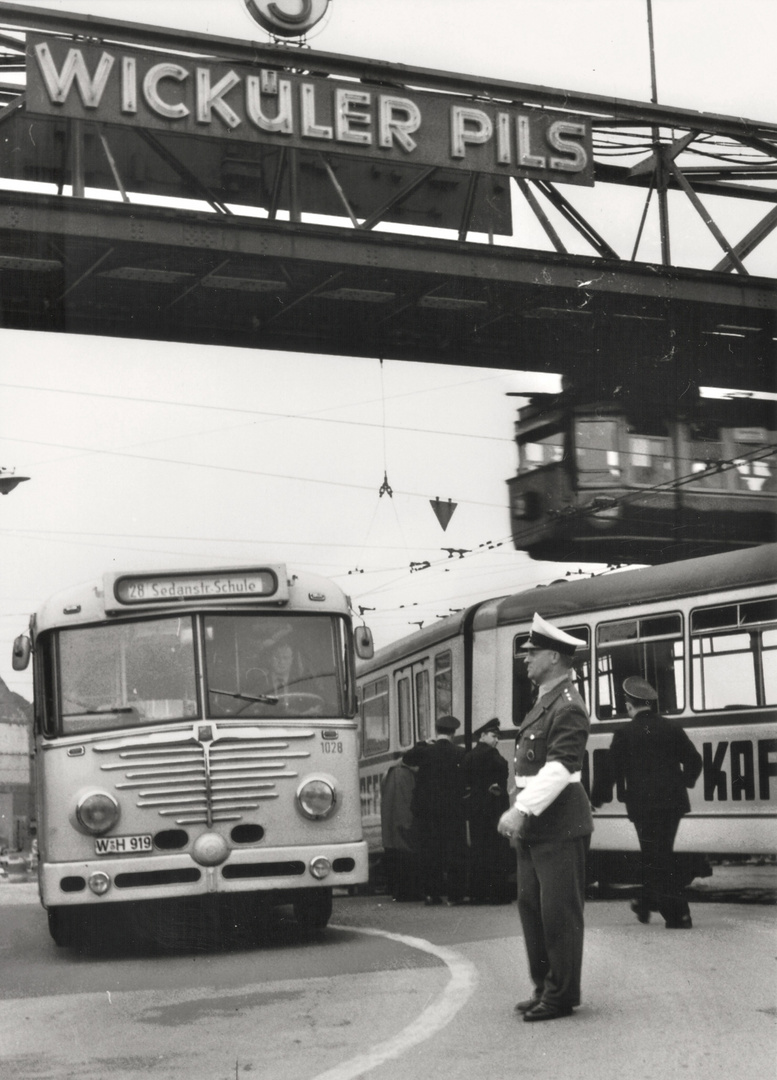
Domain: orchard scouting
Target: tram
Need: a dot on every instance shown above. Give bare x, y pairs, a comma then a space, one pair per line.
624, 480
703, 632
195, 740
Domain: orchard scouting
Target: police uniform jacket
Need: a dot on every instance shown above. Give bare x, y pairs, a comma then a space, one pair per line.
555, 729
484, 767
654, 763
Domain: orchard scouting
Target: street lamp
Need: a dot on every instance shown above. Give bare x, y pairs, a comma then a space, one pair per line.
9, 480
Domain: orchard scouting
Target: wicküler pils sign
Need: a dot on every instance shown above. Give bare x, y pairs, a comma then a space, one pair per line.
202, 97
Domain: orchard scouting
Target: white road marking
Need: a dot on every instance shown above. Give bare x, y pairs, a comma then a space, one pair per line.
456, 994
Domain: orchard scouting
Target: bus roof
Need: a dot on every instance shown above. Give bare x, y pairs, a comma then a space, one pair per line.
687, 577
86, 603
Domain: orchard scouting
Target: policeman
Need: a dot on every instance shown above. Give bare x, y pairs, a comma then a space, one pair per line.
485, 778
654, 763
551, 822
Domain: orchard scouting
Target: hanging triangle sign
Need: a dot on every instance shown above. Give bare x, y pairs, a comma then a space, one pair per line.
443, 511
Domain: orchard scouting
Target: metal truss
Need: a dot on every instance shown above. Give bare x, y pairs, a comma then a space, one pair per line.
677, 234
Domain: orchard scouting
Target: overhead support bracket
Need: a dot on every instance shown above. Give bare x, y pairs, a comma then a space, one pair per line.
705, 216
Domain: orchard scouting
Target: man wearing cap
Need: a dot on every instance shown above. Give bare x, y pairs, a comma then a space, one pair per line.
438, 813
485, 779
551, 822
653, 762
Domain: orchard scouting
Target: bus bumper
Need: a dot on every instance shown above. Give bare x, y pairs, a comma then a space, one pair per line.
177, 875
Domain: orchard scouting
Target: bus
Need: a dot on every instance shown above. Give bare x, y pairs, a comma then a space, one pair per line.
702, 631
195, 738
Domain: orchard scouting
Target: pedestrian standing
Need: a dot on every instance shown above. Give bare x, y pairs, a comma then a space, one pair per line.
400, 861
551, 822
485, 780
653, 762
438, 813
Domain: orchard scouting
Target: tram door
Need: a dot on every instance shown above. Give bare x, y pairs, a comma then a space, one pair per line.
413, 694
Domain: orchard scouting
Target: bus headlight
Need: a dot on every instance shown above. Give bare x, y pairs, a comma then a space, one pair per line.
316, 798
97, 812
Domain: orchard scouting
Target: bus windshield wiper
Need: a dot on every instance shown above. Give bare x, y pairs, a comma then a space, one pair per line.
263, 699
102, 712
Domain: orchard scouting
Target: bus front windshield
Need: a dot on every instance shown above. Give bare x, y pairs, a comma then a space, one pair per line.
255, 666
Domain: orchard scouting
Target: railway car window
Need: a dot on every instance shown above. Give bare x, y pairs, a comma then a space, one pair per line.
405, 710
651, 647
423, 705
734, 653
770, 666
596, 450
375, 717
544, 448
524, 690
443, 684
650, 459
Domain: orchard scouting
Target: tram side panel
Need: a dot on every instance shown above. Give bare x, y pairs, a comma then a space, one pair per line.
399, 703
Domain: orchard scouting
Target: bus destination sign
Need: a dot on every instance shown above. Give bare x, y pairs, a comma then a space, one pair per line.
202, 97
175, 588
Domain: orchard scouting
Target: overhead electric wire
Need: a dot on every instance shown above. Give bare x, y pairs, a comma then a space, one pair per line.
235, 469
273, 416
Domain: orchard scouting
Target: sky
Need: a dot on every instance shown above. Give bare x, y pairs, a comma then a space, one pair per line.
156, 455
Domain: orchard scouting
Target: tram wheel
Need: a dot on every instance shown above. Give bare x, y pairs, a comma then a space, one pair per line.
313, 908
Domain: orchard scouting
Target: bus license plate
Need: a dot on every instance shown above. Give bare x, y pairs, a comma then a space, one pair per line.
122, 845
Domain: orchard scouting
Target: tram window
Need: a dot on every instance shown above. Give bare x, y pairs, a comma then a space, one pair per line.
523, 688
405, 711
733, 666
443, 684
540, 451
596, 451
724, 672
651, 647
770, 666
375, 717
650, 460
423, 705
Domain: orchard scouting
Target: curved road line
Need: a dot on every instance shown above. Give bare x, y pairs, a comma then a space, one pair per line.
456, 994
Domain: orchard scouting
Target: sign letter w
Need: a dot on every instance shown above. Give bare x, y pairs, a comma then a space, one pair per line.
58, 83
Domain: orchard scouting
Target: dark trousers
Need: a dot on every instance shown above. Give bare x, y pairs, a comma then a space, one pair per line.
490, 859
551, 896
443, 856
661, 891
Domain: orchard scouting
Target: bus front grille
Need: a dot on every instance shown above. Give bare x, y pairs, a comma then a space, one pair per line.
206, 774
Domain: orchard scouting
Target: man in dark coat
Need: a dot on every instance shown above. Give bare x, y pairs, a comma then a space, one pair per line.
400, 860
551, 821
653, 762
438, 813
485, 779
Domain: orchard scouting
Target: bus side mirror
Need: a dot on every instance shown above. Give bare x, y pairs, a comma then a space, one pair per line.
20, 656
362, 636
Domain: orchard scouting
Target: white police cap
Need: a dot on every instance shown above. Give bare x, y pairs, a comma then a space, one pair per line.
544, 635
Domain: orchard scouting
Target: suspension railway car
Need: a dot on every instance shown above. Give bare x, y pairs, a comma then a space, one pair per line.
702, 631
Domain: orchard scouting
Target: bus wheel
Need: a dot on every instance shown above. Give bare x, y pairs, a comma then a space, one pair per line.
313, 908
64, 926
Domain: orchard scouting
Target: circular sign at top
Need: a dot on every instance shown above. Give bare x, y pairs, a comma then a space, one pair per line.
287, 18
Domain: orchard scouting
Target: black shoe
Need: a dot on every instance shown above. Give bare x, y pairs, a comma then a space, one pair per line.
546, 1011
642, 913
680, 924
530, 1003
432, 901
